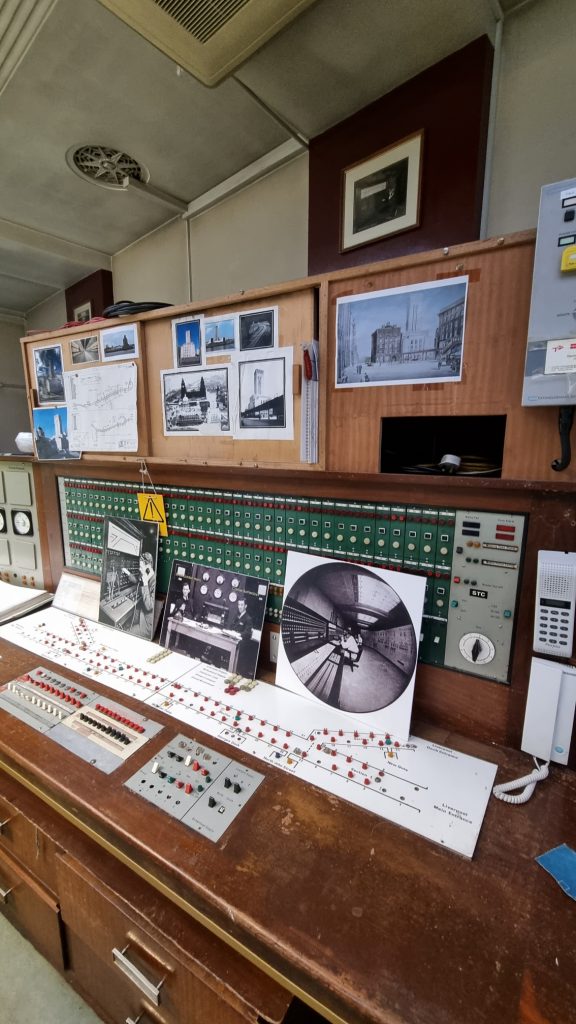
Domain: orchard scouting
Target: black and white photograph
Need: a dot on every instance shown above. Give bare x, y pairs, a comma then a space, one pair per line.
187, 341
381, 194
128, 586
265, 395
50, 428
49, 375
215, 616
81, 314
119, 342
85, 350
410, 335
258, 329
196, 401
220, 334
349, 637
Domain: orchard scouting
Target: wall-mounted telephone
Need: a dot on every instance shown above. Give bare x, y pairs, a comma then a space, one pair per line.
555, 603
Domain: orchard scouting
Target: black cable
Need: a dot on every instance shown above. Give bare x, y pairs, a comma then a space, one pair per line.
565, 421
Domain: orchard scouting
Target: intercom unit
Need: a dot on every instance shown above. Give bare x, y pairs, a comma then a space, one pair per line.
549, 718
555, 601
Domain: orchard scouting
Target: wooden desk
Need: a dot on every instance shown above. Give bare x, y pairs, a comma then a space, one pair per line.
369, 923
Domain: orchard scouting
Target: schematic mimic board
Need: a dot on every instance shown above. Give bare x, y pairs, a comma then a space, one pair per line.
96, 729
198, 786
433, 791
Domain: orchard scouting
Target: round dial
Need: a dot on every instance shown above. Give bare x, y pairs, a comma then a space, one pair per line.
22, 523
2, 522
219, 579
476, 648
233, 596
217, 593
235, 582
205, 575
203, 589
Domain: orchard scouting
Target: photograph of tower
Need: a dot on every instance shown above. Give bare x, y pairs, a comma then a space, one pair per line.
187, 341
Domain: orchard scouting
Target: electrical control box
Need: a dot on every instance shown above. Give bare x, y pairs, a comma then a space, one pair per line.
550, 371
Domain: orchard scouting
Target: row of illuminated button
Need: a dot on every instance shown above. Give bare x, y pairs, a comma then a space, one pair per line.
110, 713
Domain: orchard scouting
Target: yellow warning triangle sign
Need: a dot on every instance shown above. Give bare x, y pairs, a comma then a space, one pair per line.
151, 507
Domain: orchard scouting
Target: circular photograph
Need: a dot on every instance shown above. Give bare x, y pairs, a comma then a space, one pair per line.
348, 637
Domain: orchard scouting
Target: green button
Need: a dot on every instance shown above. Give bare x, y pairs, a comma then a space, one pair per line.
453, 604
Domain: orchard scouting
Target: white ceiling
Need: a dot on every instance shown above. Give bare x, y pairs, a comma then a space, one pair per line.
86, 77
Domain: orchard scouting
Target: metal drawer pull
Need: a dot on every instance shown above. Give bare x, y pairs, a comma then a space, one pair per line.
129, 1020
4, 894
151, 991
4, 823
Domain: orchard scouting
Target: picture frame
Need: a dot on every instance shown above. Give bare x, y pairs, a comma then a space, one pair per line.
264, 397
197, 402
50, 426
413, 334
258, 328
120, 342
220, 334
188, 341
81, 314
381, 194
49, 371
85, 350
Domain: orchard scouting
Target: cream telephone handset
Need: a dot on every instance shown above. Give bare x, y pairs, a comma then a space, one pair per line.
555, 603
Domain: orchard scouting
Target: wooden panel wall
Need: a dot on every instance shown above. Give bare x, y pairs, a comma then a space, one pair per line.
500, 281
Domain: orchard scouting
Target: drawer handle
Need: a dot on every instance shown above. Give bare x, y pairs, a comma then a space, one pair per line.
4, 894
151, 991
4, 823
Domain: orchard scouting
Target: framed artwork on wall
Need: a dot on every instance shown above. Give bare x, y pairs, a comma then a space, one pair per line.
381, 195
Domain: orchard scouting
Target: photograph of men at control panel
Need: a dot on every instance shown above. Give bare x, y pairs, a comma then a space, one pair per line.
215, 616
128, 584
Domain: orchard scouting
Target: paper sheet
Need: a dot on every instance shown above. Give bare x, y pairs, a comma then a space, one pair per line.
102, 412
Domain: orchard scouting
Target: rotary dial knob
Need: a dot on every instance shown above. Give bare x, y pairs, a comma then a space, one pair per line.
477, 648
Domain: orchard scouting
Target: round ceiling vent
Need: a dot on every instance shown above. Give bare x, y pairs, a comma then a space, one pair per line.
105, 166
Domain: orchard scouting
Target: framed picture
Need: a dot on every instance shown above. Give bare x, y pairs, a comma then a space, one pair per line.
265, 400
51, 434
49, 375
381, 195
258, 328
196, 401
220, 334
187, 334
85, 350
119, 342
82, 313
408, 335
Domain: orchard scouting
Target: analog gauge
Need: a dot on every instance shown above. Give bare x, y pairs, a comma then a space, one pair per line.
217, 593
22, 523
477, 648
233, 596
2, 521
203, 589
219, 580
205, 575
235, 582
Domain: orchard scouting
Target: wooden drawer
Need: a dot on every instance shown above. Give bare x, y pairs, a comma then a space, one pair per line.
177, 974
31, 909
24, 841
102, 987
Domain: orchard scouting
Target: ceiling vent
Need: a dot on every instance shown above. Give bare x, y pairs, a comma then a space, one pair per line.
105, 166
208, 38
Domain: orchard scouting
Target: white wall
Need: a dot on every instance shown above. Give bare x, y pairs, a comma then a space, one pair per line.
260, 235
13, 405
154, 269
257, 237
535, 141
48, 315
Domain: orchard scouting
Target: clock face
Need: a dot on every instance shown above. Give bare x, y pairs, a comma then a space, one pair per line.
22, 523
2, 521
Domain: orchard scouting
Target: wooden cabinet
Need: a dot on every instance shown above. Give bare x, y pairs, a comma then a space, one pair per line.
28, 878
153, 960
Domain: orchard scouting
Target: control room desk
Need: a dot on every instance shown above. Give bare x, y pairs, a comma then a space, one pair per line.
369, 923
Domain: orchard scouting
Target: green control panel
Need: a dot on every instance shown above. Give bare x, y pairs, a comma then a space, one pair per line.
252, 533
